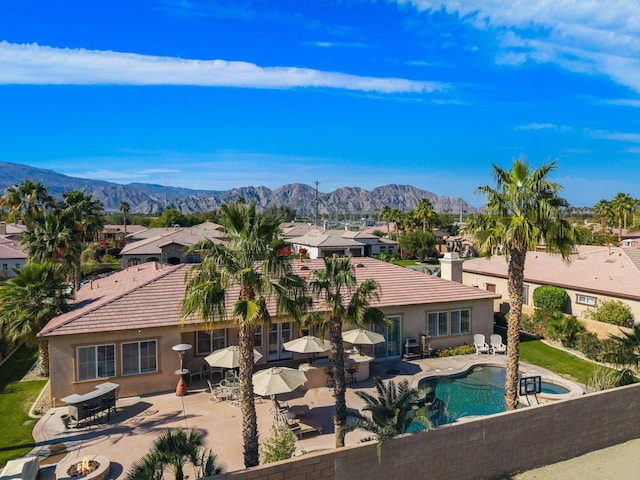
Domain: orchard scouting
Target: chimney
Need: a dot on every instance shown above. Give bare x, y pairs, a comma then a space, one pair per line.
3, 228
451, 267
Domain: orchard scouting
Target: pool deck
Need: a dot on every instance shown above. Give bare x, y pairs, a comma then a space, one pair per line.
128, 436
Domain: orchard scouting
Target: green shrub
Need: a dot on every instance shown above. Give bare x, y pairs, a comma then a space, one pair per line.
564, 328
535, 324
612, 311
459, 350
550, 297
279, 446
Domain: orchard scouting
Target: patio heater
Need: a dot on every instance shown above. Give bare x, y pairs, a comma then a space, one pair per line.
181, 388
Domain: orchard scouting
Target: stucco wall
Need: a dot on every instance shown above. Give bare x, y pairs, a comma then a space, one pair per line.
489, 447
576, 309
63, 362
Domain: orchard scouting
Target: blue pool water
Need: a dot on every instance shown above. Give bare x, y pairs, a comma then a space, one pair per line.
480, 391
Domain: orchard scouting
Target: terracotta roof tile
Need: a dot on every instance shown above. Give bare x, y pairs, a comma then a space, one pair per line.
150, 295
595, 269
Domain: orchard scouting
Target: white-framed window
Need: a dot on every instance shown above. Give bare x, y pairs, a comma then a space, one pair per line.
95, 361
586, 300
207, 342
139, 357
454, 322
438, 324
460, 322
257, 337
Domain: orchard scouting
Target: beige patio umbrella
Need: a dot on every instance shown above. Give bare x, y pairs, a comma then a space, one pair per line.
228, 357
274, 380
360, 336
308, 344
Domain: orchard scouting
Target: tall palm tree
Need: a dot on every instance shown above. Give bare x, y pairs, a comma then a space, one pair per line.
622, 205
29, 300
249, 262
51, 241
522, 212
425, 212
83, 216
604, 211
396, 215
386, 214
124, 209
346, 303
27, 201
392, 411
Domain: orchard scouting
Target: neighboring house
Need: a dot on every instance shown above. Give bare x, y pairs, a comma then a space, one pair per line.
594, 274
167, 245
11, 256
12, 230
327, 243
123, 326
116, 233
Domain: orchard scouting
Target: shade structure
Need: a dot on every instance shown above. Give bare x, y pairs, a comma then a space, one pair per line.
228, 357
308, 344
275, 380
360, 336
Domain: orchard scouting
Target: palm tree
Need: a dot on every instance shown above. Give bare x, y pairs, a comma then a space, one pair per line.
603, 210
83, 216
29, 300
124, 208
522, 212
396, 215
27, 201
249, 261
392, 411
173, 450
51, 241
347, 304
386, 214
622, 205
425, 212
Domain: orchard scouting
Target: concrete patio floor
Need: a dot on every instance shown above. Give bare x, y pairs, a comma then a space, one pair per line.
128, 436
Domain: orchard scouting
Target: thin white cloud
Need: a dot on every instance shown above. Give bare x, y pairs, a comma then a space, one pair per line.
589, 36
537, 126
617, 136
34, 64
321, 44
626, 102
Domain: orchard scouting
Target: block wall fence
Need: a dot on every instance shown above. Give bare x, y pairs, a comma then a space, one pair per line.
485, 448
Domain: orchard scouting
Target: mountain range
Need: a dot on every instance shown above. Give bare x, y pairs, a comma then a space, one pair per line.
152, 199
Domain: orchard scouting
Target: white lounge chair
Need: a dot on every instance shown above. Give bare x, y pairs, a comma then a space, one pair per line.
480, 344
496, 344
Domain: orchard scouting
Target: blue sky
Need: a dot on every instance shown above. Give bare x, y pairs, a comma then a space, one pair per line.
222, 94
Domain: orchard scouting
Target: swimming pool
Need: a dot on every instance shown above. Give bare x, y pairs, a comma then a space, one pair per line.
479, 391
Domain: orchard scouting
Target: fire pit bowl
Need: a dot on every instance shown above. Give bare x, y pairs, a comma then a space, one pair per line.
89, 467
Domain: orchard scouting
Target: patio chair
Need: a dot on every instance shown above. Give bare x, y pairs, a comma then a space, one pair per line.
480, 344
300, 428
194, 371
496, 344
218, 393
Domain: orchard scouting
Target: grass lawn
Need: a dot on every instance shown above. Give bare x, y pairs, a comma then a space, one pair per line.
16, 398
536, 352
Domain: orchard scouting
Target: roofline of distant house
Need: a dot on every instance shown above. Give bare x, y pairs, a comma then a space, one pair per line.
561, 285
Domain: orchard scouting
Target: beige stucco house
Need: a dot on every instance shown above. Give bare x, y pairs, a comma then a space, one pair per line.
123, 326
593, 274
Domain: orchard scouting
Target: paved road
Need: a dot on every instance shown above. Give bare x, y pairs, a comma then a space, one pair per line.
620, 462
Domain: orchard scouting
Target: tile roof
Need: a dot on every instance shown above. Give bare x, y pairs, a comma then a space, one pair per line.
10, 250
150, 295
182, 236
612, 271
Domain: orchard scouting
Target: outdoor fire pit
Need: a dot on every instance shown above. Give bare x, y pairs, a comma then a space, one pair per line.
90, 467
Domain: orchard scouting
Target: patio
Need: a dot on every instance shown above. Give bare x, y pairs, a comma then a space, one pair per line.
128, 436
